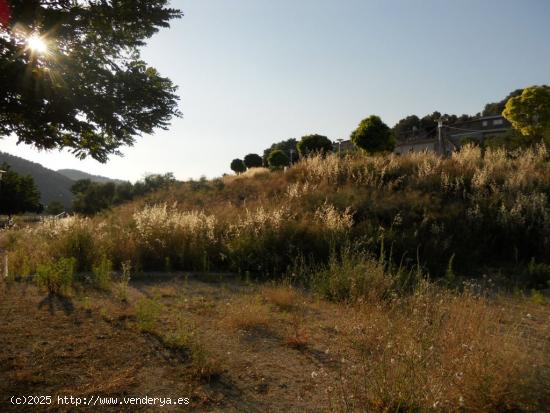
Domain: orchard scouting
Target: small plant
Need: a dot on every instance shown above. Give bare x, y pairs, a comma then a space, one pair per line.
57, 278
297, 336
87, 304
147, 313
537, 297
186, 337
354, 277
285, 298
247, 313
121, 287
102, 274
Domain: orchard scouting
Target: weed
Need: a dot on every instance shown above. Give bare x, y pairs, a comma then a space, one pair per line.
147, 314
246, 313
102, 274
121, 287
284, 297
297, 336
57, 277
203, 364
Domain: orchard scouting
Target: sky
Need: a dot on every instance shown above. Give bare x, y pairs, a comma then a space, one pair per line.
254, 72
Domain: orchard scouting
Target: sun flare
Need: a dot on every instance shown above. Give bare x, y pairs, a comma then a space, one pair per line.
37, 44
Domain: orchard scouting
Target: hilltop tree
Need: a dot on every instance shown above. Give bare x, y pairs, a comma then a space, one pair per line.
496, 108
373, 135
71, 74
529, 113
18, 194
287, 146
278, 159
311, 144
253, 160
238, 166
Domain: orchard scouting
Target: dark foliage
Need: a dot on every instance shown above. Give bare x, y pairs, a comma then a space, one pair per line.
238, 166
278, 159
312, 144
287, 146
17, 193
90, 91
92, 197
253, 160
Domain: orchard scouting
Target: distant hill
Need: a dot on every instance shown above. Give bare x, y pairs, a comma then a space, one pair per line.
76, 175
52, 185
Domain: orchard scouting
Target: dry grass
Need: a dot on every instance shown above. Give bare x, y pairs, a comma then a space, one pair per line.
250, 173
297, 335
284, 298
247, 313
438, 351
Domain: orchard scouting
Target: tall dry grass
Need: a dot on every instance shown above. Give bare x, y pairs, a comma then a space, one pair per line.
440, 351
484, 208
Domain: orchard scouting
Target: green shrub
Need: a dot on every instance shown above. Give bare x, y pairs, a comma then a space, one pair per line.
57, 278
147, 313
354, 277
537, 275
102, 273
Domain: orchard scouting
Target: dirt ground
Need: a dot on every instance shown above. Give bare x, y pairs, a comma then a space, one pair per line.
91, 344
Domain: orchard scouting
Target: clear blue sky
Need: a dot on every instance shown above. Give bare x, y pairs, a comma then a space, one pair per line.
252, 72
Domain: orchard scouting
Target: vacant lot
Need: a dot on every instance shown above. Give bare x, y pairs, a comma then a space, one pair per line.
233, 345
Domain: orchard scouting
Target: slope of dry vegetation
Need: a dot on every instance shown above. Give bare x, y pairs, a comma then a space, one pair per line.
354, 242
478, 212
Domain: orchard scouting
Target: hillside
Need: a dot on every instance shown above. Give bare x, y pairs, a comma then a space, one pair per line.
52, 185
76, 175
369, 283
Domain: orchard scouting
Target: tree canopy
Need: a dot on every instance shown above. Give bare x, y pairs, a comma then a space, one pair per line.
496, 108
529, 112
253, 160
287, 146
71, 74
373, 135
92, 197
18, 193
238, 166
315, 143
278, 159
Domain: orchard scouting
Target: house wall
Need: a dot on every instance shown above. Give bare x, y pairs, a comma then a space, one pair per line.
408, 147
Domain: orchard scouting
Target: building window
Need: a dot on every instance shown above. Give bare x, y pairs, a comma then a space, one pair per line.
484, 123
497, 122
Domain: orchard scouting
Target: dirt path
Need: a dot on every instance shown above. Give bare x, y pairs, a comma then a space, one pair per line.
88, 346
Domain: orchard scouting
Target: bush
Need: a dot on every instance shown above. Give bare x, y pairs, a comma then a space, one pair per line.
57, 278
354, 277
147, 313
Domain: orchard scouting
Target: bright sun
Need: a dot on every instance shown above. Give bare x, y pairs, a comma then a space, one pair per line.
37, 44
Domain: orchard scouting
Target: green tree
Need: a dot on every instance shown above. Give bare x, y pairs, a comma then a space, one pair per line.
287, 146
408, 127
529, 113
92, 197
311, 144
373, 135
253, 160
71, 74
55, 208
238, 166
496, 108
278, 159
18, 193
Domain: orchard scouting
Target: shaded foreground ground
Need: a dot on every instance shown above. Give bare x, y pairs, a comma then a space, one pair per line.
229, 345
